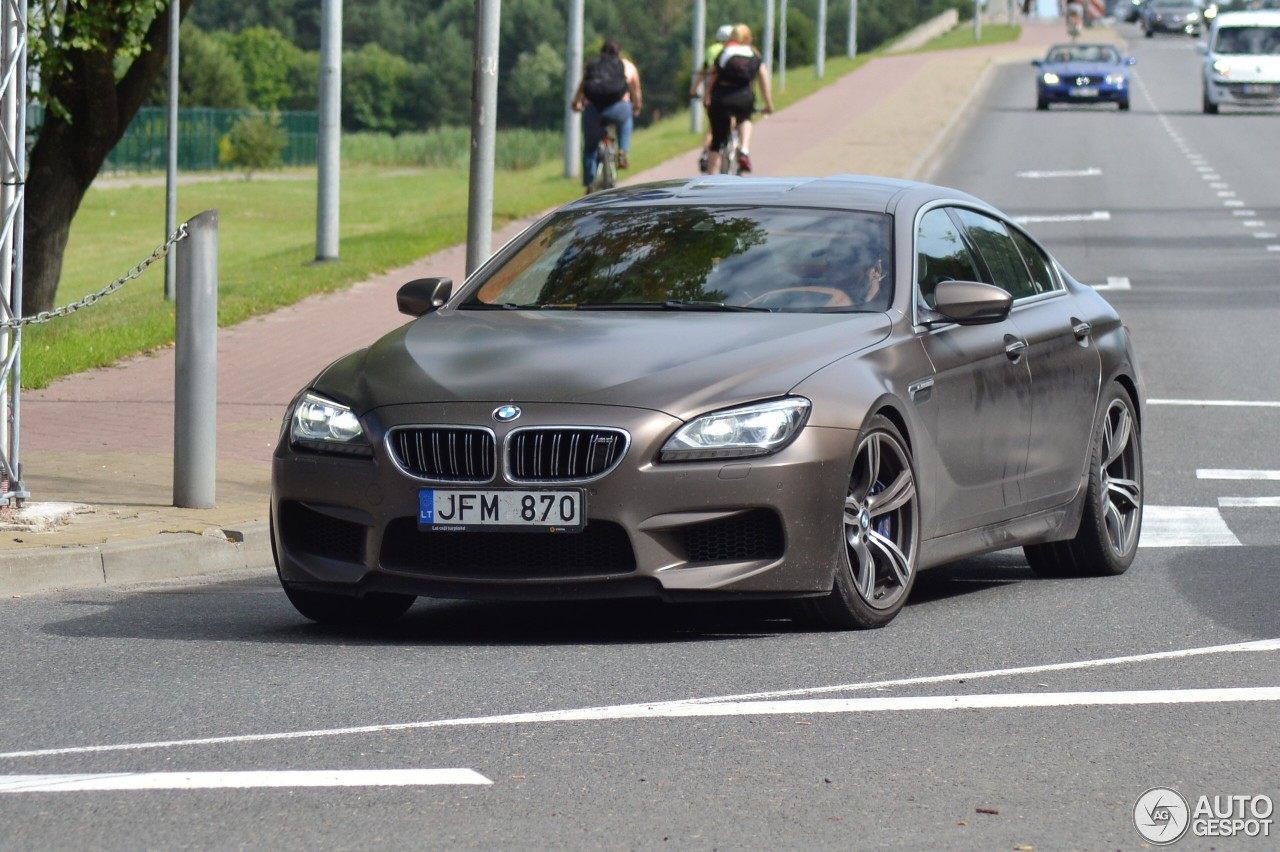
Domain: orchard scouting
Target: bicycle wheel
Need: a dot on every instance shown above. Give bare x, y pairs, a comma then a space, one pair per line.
729, 154
606, 165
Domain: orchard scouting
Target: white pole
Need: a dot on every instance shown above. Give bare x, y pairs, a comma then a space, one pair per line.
699, 51
572, 71
329, 143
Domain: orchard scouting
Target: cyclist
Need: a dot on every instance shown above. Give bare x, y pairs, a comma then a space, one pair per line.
730, 95
609, 92
698, 88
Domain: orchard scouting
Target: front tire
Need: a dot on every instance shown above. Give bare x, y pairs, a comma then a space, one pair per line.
1107, 540
875, 566
1210, 108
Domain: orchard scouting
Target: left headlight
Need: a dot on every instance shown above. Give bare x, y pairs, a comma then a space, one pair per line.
1222, 67
321, 424
750, 430
1115, 79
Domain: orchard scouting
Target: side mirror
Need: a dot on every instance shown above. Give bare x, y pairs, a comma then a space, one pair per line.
1202, 47
1131, 60
971, 303
423, 295
1037, 62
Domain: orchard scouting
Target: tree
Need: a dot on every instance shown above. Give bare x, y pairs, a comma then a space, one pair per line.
255, 142
209, 75
97, 60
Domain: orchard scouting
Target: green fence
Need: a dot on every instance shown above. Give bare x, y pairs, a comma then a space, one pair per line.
200, 132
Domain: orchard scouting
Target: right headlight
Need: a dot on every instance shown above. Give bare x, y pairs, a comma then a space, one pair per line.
750, 430
1221, 67
1050, 78
318, 423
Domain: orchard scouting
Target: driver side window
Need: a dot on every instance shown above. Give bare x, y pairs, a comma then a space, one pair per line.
941, 255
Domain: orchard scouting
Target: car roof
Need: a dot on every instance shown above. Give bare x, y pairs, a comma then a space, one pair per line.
845, 192
1259, 18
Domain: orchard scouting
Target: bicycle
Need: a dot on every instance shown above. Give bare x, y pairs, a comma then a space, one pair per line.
729, 152
606, 160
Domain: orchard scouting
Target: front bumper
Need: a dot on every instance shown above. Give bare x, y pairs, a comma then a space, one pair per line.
766, 526
1244, 92
1085, 93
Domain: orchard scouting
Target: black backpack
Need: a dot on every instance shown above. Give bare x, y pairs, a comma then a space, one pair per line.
605, 80
738, 70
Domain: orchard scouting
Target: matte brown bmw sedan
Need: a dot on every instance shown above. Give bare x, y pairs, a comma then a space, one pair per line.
727, 388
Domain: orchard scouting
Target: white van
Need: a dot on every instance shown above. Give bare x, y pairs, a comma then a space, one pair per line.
1242, 60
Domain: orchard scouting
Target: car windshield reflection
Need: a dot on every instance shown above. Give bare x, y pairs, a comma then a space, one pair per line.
697, 259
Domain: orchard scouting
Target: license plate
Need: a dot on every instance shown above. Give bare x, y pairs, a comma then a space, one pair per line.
1084, 92
502, 510
1259, 89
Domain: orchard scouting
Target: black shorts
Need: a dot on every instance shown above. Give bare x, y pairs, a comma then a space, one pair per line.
728, 104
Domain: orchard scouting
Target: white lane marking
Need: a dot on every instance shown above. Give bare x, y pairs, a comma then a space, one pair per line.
1254, 223
1273, 248
237, 780
1262, 645
1244, 212
1095, 216
1218, 403
1264, 235
1249, 502
1114, 282
1092, 171
1185, 526
1236, 473
1233, 204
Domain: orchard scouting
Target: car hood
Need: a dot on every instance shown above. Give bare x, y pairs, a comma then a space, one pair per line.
679, 363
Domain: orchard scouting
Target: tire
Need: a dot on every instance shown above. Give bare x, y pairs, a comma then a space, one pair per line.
1210, 108
1042, 104
1123, 105
606, 168
368, 611
1150, 33
879, 536
1107, 539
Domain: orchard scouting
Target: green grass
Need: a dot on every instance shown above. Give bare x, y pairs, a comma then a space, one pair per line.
391, 215
962, 36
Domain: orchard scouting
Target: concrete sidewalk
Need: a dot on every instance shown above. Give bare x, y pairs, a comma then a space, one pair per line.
97, 448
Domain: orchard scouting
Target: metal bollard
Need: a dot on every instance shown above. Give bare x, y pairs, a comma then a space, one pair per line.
195, 394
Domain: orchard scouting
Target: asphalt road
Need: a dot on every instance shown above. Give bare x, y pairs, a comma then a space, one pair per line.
998, 711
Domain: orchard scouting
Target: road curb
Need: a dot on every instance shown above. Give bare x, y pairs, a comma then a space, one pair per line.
163, 557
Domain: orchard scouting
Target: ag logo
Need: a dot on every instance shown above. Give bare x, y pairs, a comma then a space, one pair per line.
1161, 816
506, 413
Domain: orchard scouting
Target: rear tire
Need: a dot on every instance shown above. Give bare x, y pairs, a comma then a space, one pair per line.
1107, 539
875, 562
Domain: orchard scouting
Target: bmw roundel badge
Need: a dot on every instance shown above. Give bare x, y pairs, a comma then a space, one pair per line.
506, 413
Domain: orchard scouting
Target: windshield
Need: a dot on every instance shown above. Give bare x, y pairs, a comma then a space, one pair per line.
697, 258
1256, 41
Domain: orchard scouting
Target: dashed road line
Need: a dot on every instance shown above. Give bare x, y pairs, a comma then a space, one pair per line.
1234, 473
1185, 526
1095, 216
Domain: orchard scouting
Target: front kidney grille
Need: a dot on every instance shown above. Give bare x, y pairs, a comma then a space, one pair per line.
563, 453
445, 453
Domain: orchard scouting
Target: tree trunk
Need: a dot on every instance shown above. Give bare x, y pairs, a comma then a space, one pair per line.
70, 151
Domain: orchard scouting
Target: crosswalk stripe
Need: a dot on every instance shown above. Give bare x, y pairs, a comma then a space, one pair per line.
1185, 526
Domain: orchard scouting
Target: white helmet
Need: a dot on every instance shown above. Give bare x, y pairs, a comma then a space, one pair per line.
722, 34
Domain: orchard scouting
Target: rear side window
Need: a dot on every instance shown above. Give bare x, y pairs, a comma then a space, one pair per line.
1038, 264
1002, 257
941, 255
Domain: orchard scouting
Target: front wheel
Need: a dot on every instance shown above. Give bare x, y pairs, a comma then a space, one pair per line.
875, 563
1210, 108
1123, 105
1107, 539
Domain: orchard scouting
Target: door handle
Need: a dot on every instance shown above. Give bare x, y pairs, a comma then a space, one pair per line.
1014, 347
1080, 328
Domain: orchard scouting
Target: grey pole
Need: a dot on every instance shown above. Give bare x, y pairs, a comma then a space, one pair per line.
699, 51
572, 72
782, 44
171, 174
329, 143
977, 20
853, 28
195, 387
484, 114
767, 47
822, 38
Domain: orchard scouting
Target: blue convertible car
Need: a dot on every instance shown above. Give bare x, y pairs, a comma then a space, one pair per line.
1083, 73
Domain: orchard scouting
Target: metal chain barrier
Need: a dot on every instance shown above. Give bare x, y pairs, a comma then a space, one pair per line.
92, 299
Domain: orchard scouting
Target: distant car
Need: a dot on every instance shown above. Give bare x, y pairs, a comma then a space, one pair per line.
1171, 16
720, 389
1242, 60
1083, 73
